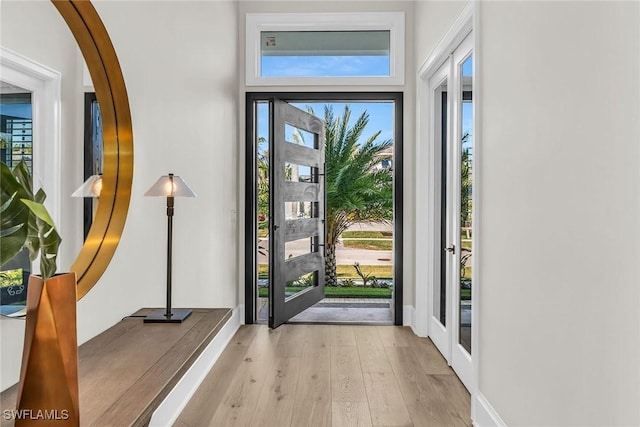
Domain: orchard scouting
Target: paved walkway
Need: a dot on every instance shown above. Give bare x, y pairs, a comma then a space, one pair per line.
343, 255
355, 300
340, 310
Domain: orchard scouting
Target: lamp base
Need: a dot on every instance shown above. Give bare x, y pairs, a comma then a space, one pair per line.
159, 316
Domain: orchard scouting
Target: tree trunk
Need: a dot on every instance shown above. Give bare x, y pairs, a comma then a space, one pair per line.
331, 277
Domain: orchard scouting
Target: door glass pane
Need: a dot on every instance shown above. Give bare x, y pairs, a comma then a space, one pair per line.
299, 247
440, 290
298, 210
325, 53
302, 284
262, 220
466, 206
298, 136
298, 173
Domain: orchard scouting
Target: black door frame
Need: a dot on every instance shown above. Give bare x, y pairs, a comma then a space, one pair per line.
251, 182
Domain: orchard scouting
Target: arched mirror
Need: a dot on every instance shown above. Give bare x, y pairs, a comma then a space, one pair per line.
99, 55
117, 137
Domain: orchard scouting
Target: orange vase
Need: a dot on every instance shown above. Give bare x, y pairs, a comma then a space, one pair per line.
48, 391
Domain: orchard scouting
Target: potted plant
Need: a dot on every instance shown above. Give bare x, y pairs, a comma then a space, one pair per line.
48, 387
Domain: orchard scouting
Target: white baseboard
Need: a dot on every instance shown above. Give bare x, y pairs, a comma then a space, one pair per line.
408, 316
242, 314
171, 407
485, 415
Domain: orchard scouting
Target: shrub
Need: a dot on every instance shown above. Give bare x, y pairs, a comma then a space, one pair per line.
347, 283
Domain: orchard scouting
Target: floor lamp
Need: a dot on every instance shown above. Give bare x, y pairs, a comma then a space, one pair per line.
169, 186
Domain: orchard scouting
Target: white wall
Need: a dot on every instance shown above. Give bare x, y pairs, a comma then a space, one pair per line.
432, 20
559, 333
179, 61
559, 86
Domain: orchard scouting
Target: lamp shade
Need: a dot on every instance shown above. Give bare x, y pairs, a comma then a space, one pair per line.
170, 186
92, 187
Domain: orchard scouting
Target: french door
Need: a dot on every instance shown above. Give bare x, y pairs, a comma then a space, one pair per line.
297, 207
450, 322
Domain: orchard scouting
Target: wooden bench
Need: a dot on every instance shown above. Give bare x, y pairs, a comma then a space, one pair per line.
127, 371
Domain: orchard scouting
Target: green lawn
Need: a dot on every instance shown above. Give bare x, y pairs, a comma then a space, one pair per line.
333, 292
371, 240
371, 244
363, 234
347, 271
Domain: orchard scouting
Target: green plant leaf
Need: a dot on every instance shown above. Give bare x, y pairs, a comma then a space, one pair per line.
49, 243
14, 215
21, 172
12, 243
40, 211
24, 220
43, 238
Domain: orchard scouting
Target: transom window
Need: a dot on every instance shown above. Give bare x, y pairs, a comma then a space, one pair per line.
324, 54
325, 49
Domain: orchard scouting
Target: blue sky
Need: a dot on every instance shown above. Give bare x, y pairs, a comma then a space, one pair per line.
324, 66
380, 113
380, 116
16, 110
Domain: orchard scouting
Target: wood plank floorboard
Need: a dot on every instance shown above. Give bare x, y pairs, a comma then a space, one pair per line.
451, 389
275, 404
329, 375
342, 335
426, 406
241, 397
204, 404
348, 414
347, 383
395, 337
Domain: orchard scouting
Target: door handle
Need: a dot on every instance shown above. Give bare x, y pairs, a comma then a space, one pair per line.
451, 249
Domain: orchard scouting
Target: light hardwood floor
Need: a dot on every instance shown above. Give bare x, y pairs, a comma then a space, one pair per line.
329, 375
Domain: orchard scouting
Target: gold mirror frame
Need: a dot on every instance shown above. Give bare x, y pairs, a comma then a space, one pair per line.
103, 238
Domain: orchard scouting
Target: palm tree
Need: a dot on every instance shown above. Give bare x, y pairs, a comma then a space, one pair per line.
466, 183
356, 190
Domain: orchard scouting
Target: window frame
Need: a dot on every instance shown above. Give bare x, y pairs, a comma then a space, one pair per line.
45, 85
394, 22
